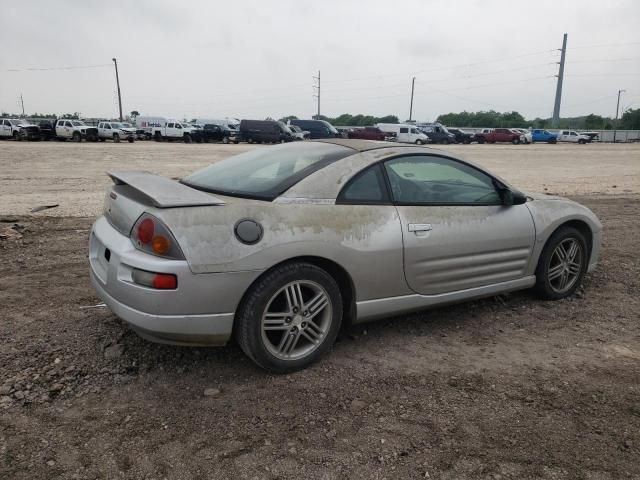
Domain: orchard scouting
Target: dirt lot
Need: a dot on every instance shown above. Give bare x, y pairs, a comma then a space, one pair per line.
508, 387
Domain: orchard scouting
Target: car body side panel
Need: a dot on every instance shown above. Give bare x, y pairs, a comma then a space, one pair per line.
549, 213
464, 247
366, 240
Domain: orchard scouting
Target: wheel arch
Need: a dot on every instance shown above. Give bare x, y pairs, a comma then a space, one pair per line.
337, 272
583, 227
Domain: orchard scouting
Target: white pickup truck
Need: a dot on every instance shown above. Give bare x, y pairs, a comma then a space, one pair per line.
115, 131
75, 130
573, 137
174, 130
18, 129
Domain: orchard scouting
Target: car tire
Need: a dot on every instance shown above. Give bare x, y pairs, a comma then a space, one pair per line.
515, 141
131, 139
562, 264
187, 138
446, 141
102, 139
582, 142
76, 137
481, 141
290, 340
419, 142
157, 137
16, 136
116, 138
225, 140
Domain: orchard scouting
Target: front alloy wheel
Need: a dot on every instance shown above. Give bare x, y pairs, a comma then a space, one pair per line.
562, 264
290, 317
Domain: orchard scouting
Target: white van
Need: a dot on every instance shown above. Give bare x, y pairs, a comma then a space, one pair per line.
146, 124
404, 133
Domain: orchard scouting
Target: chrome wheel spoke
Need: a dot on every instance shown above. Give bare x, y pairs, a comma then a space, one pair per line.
556, 271
572, 252
574, 268
289, 342
295, 300
316, 304
313, 332
276, 321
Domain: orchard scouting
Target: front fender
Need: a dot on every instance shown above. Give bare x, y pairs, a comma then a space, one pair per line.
549, 213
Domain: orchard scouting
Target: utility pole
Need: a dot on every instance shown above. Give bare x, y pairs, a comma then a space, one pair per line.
318, 95
115, 62
555, 121
22, 103
413, 84
615, 126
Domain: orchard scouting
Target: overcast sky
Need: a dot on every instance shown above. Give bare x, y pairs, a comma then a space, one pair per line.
253, 59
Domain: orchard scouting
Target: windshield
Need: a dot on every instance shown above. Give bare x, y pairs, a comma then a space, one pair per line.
17, 122
126, 125
331, 128
76, 123
267, 172
117, 125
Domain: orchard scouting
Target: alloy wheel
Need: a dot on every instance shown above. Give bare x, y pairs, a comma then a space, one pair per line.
296, 320
565, 265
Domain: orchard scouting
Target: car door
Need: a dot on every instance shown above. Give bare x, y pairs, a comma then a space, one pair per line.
457, 232
5, 128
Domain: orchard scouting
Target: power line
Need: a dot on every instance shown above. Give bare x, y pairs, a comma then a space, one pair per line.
44, 69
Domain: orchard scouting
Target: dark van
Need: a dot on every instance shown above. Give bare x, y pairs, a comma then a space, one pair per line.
317, 128
267, 131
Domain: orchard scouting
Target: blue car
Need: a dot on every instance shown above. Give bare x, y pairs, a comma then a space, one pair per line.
540, 135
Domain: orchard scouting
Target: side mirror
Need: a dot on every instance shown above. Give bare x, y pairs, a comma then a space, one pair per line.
510, 197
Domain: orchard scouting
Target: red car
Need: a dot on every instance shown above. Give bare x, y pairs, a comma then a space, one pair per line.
500, 135
368, 133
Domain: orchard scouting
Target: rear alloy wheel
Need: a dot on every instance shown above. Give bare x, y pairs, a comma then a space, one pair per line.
290, 317
562, 264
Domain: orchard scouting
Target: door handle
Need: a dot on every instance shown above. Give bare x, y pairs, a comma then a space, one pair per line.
419, 227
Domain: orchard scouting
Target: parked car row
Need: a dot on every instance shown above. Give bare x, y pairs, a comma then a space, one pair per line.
271, 131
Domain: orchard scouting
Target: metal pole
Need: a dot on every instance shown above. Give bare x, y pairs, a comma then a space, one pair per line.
22, 103
413, 83
115, 62
615, 124
318, 94
556, 106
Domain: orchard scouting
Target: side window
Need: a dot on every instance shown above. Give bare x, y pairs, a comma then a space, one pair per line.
169, 125
107, 126
413, 130
404, 130
178, 126
426, 179
367, 187
68, 124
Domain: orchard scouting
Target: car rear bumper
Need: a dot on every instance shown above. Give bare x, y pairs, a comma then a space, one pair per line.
199, 312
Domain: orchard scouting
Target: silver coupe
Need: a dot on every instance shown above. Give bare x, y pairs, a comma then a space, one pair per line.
279, 246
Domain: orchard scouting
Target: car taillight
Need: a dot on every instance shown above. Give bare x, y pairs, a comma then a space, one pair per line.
150, 235
160, 281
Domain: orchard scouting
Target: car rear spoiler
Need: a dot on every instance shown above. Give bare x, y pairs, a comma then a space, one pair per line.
163, 192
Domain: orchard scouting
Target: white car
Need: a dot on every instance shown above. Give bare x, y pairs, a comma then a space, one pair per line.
573, 137
298, 132
115, 131
76, 130
526, 135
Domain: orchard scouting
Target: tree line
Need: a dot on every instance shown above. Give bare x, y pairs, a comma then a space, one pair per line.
630, 120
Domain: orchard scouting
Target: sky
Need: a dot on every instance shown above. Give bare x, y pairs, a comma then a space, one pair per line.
257, 59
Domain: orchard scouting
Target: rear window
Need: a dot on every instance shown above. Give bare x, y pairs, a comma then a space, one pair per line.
268, 172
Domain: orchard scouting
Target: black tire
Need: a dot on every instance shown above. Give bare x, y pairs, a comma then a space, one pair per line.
187, 138
103, 139
515, 141
116, 138
419, 142
582, 142
481, 141
76, 137
248, 323
130, 139
157, 137
16, 136
446, 141
225, 140
544, 286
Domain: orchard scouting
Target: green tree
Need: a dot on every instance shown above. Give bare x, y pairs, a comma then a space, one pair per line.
630, 120
287, 118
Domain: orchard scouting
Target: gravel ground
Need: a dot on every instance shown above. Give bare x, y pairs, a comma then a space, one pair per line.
507, 387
